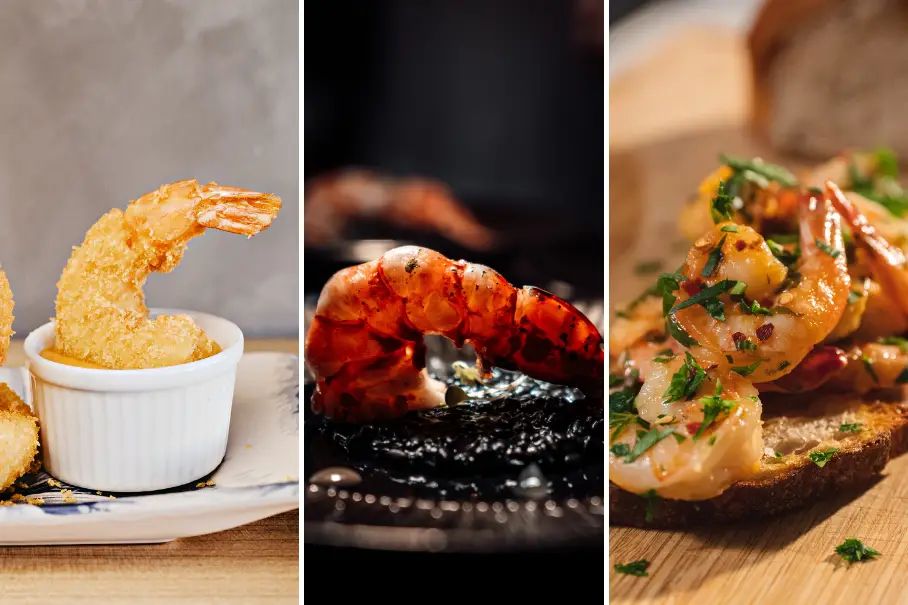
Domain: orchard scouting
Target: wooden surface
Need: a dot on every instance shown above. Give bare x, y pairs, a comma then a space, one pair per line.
256, 563
663, 143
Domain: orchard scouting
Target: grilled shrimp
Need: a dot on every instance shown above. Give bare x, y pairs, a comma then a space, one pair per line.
365, 344
752, 311
101, 314
687, 446
411, 202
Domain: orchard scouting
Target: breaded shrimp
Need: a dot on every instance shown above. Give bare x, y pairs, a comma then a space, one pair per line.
18, 437
101, 314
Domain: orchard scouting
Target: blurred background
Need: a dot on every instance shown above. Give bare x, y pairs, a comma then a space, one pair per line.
479, 125
105, 100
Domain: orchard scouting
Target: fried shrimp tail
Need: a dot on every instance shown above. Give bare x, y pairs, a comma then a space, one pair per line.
101, 315
365, 344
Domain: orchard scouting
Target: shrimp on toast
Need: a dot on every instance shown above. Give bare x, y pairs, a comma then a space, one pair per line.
365, 344
758, 310
101, 317
687, 435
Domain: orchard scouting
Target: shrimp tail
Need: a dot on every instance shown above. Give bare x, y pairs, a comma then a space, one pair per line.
237, 210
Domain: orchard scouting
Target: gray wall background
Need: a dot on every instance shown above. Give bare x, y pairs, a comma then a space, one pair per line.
104, 100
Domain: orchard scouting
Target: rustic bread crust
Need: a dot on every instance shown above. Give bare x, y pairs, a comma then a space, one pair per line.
795, 483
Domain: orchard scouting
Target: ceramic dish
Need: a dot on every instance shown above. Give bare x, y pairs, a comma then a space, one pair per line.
259, 475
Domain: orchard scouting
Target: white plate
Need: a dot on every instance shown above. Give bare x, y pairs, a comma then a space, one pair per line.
258, 478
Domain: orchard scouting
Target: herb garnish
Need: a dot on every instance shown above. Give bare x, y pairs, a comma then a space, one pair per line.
853, 550
854, 427
868, 365
666, 286
637, 568
820, 458
854, 296
646, 440
713, 405
614, 380
902, 377
744, 344
664, 356
898, 341
685, 381
827, 248
675, 330
652, 503
754, 308
714, 259
729, 229
746, 370
772, 172
708, 299
620, 449
721, 207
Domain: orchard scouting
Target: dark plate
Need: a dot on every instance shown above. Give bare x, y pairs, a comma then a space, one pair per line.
520, 466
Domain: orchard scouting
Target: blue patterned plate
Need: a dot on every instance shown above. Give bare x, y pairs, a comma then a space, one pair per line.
259, 476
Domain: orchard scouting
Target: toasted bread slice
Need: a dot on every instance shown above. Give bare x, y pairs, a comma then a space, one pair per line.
794, 428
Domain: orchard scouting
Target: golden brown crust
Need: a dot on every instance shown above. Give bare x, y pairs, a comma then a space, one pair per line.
795, 482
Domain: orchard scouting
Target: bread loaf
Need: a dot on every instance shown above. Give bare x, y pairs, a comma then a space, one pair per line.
830, 75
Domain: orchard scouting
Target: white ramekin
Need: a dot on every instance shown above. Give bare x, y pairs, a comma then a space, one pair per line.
135, 430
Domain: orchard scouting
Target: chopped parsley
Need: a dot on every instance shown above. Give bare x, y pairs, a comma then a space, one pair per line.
646, 440
853, 550
902, 377
664, 356
729, 229
820, 458
746, 370
614, 380
411, 265
620, 449
708, 299
854, 427
621, 402
652, 503
827, 248
712, 440
618, 421
786, 257
771, 172
675, 330
754, 308
714, 259
685, 381
666, 286
713, 405
722, 206
868, 366
637, 568
898, 341
744, 344
784, 238
778, 454
738, 289
783, 365
854, 296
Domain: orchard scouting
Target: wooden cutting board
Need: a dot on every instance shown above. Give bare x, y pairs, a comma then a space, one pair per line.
671, 116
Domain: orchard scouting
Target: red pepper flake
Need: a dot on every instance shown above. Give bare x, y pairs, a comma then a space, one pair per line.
765, 331
692, 427
738, 337
692, 286
740, 245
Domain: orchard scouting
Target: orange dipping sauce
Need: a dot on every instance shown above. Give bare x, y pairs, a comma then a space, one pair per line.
52, 355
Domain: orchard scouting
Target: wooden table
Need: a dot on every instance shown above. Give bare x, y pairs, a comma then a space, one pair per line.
670, 117
256, 563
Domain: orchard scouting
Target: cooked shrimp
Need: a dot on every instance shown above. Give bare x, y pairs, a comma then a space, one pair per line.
101, 314
410, 202
365, 344
692, 446
642, 319
822, 364
887, 262
739, 304
871, 366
